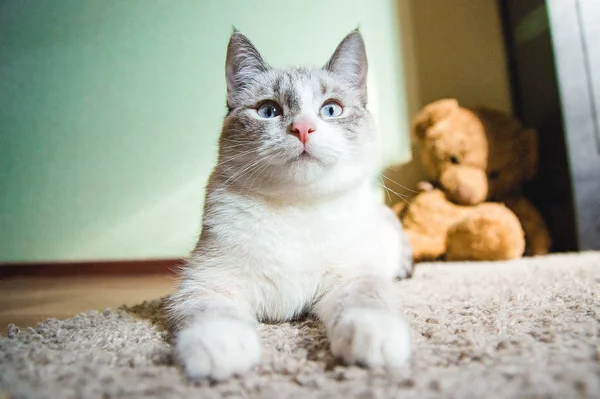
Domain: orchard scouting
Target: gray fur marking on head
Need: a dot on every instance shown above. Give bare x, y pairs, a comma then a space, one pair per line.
261, 145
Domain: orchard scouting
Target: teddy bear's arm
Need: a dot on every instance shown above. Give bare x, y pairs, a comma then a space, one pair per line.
399, 207
537, 237
425, 247
426, 222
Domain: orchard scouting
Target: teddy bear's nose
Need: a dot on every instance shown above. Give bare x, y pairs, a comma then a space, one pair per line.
465, 194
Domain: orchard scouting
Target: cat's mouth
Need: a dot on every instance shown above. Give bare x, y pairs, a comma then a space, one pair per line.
306, 156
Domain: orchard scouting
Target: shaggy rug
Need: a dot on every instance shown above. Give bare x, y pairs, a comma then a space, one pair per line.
526, 328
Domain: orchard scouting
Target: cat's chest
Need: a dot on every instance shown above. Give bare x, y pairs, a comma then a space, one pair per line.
292, 254
286, 257
304, 238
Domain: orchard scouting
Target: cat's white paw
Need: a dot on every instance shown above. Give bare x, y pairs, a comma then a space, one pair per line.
406, 267
218, 348
372, 338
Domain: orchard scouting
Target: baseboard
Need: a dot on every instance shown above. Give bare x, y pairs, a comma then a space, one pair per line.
92, 268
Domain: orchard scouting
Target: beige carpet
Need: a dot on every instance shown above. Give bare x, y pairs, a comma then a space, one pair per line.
529, 328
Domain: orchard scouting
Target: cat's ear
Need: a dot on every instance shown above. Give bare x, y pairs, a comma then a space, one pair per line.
350, 61
243, 62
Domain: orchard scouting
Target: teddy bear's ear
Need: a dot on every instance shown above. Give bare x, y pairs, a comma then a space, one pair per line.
530, 153
432, 114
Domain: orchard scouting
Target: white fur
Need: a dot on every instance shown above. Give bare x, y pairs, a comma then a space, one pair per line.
280, 261
371, 337
301, 236
218, 348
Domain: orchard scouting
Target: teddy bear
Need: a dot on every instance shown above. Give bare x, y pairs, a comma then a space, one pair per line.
476, 160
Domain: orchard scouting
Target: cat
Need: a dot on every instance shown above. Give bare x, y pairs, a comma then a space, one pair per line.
292, 224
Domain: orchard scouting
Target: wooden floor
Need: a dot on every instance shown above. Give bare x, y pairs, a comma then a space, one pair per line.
25, 301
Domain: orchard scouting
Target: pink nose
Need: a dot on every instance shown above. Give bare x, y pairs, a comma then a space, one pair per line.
302, 129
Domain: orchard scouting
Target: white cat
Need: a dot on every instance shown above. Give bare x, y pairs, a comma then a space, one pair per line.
291, 221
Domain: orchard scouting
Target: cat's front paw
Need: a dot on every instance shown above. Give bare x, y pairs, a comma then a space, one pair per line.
372, 338
407, 266
217, 348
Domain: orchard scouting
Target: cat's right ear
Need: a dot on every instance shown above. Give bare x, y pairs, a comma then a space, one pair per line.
242, 64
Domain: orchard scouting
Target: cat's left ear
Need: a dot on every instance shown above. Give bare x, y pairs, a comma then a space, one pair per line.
243, 63
350, 61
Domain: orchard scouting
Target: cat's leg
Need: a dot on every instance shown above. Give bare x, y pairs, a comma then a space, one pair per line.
391, 235
215, 334
364, 324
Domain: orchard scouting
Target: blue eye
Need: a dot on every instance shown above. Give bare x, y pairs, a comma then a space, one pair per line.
331, 109
269, 109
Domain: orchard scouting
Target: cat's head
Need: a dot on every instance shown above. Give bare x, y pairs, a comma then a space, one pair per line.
296, 128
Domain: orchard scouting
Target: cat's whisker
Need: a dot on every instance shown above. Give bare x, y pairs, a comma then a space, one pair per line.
243, 154
231, 146
258, 151
400, 185
239, 173
233, 168
386, 190
251, 147
270, 177
258, 171
402, 197
235, 138
246, 168
232, 165
252, 171
236, 141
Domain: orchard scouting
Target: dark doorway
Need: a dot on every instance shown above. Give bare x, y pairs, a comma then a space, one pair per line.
556, 89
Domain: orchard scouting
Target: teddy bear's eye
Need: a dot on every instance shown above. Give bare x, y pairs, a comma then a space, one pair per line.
454, 159
494, 174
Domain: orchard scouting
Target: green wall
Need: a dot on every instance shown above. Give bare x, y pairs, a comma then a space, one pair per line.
110, 112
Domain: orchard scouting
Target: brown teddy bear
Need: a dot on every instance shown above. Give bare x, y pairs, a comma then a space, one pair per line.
472, 156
